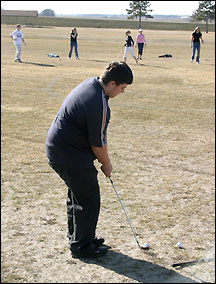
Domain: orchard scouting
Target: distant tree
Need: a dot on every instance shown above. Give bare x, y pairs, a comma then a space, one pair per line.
47, 13
205, 11
140, 9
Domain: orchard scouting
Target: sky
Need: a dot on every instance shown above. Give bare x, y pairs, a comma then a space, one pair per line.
101, 7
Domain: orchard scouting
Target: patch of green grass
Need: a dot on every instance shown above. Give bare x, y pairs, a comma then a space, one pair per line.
101, 23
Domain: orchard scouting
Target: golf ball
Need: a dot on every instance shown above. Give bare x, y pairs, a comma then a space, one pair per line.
146, 245
179, 245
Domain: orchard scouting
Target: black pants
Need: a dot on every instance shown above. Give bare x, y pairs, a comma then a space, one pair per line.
83, 203
140, 48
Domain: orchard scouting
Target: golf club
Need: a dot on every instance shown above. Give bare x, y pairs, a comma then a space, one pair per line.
192, 262
119, 53
145, 248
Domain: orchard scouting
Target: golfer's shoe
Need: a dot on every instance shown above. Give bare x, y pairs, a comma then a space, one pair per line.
77, 58
18, 60
98, 241
191, 60
90, 251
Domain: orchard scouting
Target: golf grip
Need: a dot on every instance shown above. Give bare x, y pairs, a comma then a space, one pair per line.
124, 211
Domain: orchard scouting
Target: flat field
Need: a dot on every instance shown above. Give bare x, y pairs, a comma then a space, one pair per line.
161, 141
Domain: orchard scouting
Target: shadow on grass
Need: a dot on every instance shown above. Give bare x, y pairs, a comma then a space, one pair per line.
39, 64
138, 270
141, 64
96, 60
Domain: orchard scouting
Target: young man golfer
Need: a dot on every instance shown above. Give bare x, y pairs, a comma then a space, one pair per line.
76, 137
17, 37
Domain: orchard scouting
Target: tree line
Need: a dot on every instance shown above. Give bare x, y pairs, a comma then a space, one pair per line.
205, 11
139, 9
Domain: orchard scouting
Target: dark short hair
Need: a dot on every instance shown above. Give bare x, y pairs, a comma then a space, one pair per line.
119, 72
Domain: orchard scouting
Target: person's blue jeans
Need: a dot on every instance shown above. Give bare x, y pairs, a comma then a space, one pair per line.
73, 44
196, 45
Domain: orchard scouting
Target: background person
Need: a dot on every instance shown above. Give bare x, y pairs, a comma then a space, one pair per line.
76, 137
73, 43
140, 40
195, 44
17, 37
129, 43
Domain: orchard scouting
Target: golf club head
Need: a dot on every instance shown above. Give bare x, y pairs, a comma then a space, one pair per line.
144, 248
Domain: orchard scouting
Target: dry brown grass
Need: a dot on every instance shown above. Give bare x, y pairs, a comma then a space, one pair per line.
161, 143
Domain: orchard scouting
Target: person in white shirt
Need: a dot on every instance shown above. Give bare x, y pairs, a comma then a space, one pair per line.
17, 37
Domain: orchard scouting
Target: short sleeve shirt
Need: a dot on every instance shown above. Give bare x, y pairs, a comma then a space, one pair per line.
72, 38
196, 36
81, 121
17, 35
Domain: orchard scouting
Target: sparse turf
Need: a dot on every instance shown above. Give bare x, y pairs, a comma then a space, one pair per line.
161, 143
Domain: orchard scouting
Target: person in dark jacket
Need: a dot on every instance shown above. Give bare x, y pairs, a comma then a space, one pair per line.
195, 44
73, 43
77, 137
129, 44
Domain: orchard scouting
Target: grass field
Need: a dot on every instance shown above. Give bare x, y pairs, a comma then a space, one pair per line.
161, 143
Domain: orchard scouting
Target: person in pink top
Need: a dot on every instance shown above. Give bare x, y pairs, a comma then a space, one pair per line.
140, 40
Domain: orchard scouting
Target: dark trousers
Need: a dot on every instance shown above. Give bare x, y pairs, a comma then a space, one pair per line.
83, 203
140, 48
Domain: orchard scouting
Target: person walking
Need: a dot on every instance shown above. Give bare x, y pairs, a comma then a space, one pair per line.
78, 136
17, 37
195, 44
140, 41
73, 43
129, 43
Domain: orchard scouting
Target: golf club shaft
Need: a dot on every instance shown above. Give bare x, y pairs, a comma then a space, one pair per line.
192, 261
119, 53
124, 211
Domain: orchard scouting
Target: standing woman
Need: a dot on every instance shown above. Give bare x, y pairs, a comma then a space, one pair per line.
140, 40
73, 43
195, 44
129, 43
17, 37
